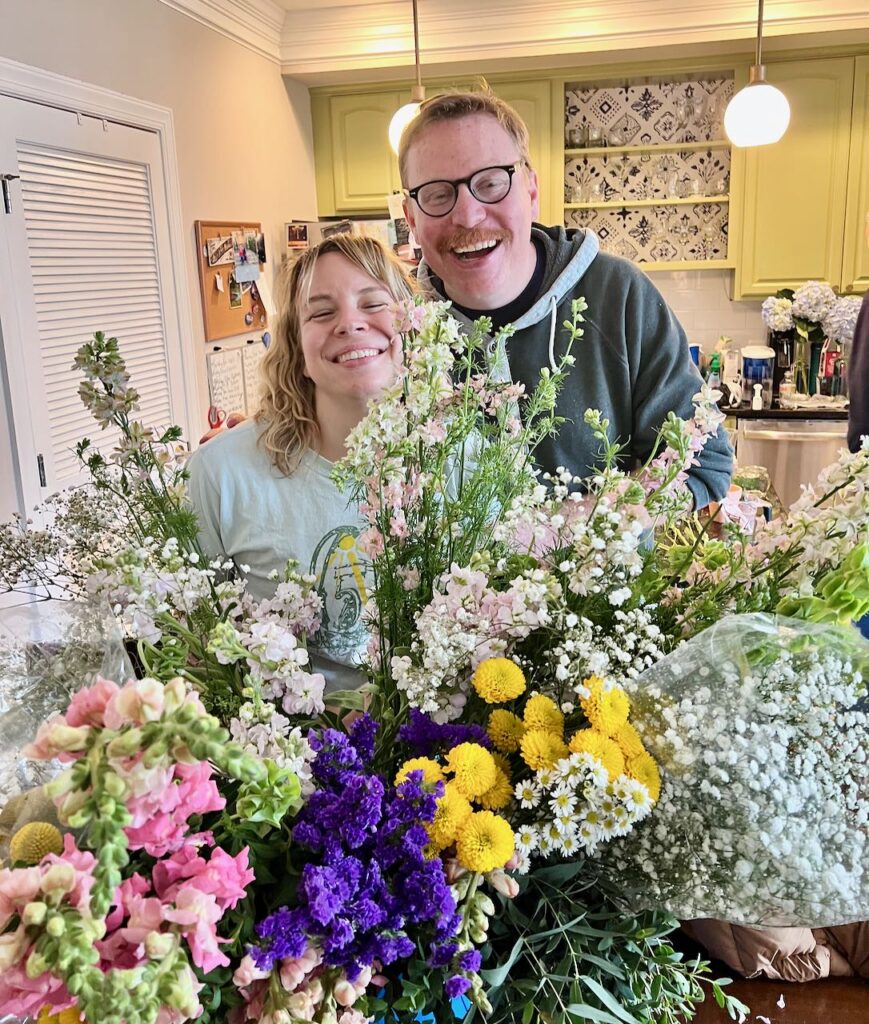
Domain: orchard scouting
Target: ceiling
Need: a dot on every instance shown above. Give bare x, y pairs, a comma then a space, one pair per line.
335, 40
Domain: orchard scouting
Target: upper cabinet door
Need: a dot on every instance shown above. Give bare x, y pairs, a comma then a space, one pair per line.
356, 168
532, 102
855, 263
794, 198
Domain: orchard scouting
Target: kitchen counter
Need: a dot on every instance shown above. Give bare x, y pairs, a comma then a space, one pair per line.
744, 412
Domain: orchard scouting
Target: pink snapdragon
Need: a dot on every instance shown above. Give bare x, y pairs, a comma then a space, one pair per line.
222, 876
159, 823
88, 706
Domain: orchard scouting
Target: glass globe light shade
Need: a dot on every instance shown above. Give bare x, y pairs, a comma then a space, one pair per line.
758, 115
400, 120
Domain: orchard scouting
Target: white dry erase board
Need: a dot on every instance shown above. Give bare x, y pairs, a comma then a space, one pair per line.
252, 357
226, 380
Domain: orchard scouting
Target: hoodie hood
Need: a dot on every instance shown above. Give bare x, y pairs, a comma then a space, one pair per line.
569, 253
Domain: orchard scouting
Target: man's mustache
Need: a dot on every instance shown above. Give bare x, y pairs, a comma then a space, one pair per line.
462, 238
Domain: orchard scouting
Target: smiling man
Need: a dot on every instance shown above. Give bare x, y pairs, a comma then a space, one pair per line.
472, 199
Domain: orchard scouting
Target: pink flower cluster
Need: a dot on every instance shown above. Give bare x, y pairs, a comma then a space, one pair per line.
302, 991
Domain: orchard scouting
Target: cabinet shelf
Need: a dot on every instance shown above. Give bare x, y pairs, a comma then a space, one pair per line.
652, 147
620, 204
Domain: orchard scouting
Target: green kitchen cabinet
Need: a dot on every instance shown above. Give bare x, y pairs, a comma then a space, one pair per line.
355, 166
855, 262
795, 192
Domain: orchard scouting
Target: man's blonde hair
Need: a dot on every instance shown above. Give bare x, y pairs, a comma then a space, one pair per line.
287, 402
454, 104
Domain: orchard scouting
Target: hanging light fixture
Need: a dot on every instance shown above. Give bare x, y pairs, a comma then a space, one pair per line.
404, 115
758, 114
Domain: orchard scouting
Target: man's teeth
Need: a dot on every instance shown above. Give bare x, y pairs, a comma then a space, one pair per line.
490, 244
357, 353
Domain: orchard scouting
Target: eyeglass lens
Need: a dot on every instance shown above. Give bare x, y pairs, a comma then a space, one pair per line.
490, 185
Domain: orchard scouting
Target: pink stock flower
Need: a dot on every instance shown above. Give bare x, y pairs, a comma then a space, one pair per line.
88, 706
137, 702
18, 886
370, 542
408, 316
224, 877
159, 823
196, 915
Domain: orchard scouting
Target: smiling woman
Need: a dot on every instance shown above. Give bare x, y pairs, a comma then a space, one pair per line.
263, 491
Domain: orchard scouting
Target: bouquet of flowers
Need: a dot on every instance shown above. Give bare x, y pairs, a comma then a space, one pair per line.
488, 828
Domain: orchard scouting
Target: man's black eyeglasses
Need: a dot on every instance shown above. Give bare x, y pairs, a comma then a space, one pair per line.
490, 185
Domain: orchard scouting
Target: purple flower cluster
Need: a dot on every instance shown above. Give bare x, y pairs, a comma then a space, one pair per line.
427, 737
368, 893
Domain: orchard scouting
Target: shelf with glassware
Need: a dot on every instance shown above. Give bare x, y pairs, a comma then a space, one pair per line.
647, 167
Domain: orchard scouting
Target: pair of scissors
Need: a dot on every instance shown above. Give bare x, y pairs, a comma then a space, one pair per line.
216, 416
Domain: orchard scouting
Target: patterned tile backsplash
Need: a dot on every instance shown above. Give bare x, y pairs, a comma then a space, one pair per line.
650, 114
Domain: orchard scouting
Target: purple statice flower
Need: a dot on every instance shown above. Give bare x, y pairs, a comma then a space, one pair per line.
362, 734
427, 737
456, 986
366, 890
470, 960
442, 955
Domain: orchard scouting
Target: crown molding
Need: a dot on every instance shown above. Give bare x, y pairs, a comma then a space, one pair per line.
358, 35
256, 24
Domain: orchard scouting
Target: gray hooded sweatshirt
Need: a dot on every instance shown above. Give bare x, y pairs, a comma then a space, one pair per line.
632, 362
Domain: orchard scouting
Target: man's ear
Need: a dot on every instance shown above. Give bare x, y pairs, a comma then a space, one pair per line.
533, 192
407, 205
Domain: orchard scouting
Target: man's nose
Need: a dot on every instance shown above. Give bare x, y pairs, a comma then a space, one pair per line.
468, 211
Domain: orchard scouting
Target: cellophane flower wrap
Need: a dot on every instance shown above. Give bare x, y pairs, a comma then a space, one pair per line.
759, 725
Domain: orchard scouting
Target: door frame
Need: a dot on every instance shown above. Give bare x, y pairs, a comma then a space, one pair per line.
24, 82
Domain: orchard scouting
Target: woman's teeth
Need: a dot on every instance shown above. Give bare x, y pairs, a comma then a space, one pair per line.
358, 353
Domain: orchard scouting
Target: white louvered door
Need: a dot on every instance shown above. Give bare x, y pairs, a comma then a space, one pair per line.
87, 249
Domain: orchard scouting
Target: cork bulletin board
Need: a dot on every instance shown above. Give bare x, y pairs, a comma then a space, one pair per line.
230, 257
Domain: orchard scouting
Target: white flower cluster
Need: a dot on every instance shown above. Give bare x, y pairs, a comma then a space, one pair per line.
463, 625
264, 731
777, 313
623, 651
578, 809
841, 321
142, 583
813, 301
764, 811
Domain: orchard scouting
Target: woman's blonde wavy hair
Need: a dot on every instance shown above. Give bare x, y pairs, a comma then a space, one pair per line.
286, 410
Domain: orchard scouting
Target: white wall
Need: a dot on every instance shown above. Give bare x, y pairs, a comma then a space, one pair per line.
243, 136
701, 301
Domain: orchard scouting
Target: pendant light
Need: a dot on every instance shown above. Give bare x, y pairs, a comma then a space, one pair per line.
758, 114
404, 115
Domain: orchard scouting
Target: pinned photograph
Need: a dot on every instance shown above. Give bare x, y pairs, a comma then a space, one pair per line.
220, 250
261, 247
297, 235
235, 293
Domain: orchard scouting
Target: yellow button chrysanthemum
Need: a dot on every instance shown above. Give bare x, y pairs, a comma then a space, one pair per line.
431, 770
629, 740
498, 679
499, 795
69, 1016
452, 810
606, 710
601, 748
505, 730
33, 841
541, 712
541, 749
644, 769
473, 768
485, 842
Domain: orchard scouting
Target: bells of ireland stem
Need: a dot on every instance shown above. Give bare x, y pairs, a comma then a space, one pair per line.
758, 115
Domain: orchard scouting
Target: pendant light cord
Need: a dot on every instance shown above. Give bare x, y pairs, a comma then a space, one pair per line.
757, 58
417, 43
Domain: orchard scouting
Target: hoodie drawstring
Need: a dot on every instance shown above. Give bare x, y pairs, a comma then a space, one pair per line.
553, 313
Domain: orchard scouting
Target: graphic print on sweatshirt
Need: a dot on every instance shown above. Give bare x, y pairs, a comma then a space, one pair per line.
343, 576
